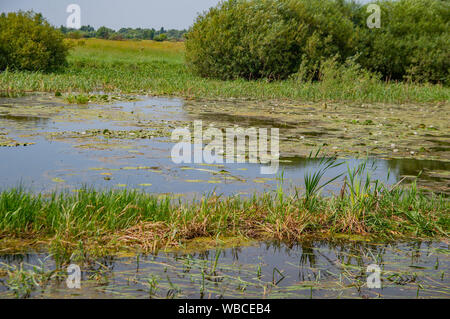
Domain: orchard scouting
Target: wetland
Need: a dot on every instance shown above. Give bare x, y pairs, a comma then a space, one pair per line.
121, 146
96, 203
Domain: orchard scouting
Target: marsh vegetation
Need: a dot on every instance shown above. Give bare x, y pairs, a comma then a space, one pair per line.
311, 269
86, 175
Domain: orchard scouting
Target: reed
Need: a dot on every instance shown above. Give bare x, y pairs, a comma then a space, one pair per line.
76, 224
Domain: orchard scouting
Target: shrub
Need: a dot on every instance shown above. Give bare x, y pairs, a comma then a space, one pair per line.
412, 42
28, 42
116, 37
267, 38
104, 32
161, 37
348, 78
74, 35
275, 38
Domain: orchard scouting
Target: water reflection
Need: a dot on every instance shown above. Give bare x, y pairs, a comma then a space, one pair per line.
270, 270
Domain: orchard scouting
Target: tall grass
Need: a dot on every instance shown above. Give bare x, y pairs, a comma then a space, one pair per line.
158, 68
313, 179
89, 218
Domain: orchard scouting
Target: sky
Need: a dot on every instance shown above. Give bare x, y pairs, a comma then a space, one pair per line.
115, 14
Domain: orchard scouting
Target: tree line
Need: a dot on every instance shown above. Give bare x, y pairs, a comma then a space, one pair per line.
103, 32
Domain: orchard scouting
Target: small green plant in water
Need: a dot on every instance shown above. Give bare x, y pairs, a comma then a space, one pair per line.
361, 189
312, 179
77, 99
153, 282
24, 281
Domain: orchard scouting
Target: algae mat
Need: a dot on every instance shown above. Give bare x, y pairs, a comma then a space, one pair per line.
382, 130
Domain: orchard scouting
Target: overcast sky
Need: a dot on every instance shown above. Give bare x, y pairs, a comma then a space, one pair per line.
115, 14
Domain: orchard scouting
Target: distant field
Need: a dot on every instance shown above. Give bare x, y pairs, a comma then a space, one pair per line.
157, 68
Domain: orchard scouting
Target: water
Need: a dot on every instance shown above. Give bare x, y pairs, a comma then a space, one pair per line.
262, 270
64, 158
73, 162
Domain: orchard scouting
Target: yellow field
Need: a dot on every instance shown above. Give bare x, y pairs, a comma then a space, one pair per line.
170, 49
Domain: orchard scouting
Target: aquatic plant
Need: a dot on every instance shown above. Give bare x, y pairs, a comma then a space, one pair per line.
312, 179
24, 281
113, 219
77, 99
153, 284
360, 188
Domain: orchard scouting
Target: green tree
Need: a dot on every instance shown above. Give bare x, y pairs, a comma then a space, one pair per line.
29, 42
87, 28
160, 37
149, 34
104, 32
268, 38
413, 41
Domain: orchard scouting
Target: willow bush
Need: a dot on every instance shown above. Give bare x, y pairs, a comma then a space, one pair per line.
276, 38
412, 43
267, 38
28, 42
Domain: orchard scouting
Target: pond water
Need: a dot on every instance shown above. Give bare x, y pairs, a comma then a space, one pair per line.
262, 270
55, 146
62, 153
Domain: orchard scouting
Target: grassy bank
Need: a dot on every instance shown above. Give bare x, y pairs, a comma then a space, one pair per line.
90, 219
156, 68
